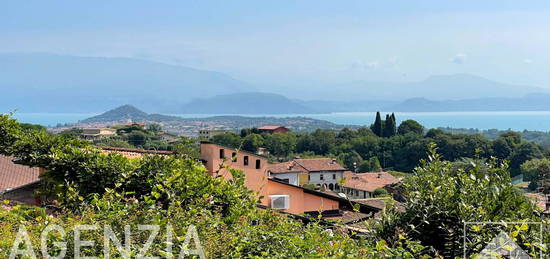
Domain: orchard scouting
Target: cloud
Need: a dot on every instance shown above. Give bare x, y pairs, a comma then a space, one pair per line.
458, 58
527, 61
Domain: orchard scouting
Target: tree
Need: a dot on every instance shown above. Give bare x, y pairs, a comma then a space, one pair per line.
377, 127
370, 165
410, 126
535, 170
350, 160
154, 127
252, 142
280, 144
188, 147
137, 138
389, 126
523, 152
29, 126
230, 139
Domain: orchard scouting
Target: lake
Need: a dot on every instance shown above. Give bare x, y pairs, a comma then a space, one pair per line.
530, 120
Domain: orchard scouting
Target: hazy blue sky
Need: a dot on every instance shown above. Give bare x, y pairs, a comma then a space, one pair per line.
296, 42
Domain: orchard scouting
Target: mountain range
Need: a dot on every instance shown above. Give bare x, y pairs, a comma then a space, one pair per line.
59, 83
37, 82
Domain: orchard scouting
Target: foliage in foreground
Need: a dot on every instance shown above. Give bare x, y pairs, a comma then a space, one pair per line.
440, 198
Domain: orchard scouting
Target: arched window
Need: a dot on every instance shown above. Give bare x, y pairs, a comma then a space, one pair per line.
331, 186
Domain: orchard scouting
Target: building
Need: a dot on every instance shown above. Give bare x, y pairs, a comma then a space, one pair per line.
321, 172
18, 182
206, 134
97, 133
273, 129
361, 186
289, 172
277, 193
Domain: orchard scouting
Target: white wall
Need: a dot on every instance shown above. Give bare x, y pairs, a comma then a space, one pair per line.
292, 177
315, 177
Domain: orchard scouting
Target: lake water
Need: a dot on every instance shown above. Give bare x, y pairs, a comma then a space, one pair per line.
530, 120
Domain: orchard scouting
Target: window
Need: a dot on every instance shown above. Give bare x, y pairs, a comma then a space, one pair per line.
234, 156
245, 160
279, 201
331, 186
222, 154
309, 177
333, 176
321, 177
356, 193
258, 164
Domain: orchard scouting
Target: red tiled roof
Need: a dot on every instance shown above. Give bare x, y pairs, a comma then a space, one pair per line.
320, 164
134, 152
13, 175
286, 167
270, 127
349, 217
368, 181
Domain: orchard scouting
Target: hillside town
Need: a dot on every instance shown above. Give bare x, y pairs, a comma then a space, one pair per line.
319, 187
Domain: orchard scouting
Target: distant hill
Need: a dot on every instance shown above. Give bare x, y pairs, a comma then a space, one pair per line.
531, 102
247, 103
190, 126
60, 83
128, 112
437, 87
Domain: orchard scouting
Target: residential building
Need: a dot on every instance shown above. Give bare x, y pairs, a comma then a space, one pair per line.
361, 186
289, 172
18, 182
97, 133
206, 134
273, 129
277, 193
323, 172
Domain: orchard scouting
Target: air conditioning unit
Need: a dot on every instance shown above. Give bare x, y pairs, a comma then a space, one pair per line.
280, 202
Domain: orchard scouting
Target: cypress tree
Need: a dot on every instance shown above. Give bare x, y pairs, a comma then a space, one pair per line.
377, 127
389, 126
394, 122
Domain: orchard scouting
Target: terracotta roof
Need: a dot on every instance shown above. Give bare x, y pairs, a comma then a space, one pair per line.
320, 164
350, 217
286, 167
368, 181
13, 175
270, 127
133, 152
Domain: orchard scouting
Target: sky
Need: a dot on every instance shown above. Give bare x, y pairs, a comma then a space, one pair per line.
297, 43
